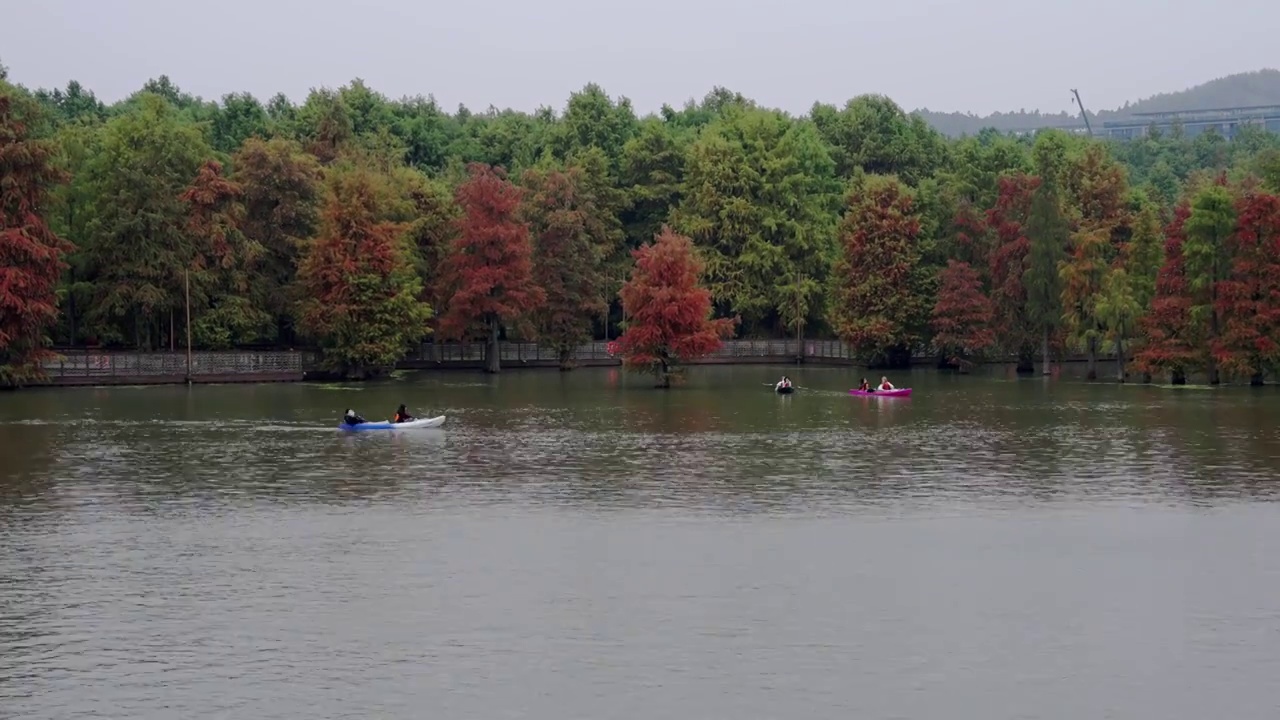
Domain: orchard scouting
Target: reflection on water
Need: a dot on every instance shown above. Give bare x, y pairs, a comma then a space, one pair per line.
580, 545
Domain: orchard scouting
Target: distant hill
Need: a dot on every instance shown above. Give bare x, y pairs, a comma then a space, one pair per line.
1242, 89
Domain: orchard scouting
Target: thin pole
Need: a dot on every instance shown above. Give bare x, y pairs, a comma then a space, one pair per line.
799, 320
186, 281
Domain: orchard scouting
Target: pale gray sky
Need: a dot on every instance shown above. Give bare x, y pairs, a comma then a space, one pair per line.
980, 55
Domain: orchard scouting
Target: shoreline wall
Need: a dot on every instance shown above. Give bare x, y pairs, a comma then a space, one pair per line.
87, 367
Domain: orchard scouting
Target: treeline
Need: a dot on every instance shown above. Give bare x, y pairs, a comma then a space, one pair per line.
360, 225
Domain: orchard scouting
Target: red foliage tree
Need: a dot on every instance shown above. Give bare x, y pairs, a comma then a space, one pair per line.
488, 275
224, 264
1096, 185
875, 307
361, 293
971, 235
1169, 335
31, 255
668, 311
567, 258
1009, 262
962, 315
214, 215
1249, 299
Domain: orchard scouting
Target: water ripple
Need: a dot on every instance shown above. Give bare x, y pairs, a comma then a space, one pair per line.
562, 549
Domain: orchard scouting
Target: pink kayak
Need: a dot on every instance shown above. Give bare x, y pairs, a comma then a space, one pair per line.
897, 392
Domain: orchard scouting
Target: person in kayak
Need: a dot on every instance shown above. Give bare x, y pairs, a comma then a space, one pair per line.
885, 384
402, 415
865, 386
351, 418
785, 382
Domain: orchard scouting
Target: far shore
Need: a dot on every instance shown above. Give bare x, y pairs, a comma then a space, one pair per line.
95, 367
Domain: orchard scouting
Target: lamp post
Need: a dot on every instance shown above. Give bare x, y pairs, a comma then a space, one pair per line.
186, 283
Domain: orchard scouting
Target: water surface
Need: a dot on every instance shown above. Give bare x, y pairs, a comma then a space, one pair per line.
581, 546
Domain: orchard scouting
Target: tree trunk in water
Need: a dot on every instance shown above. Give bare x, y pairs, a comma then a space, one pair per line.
1026, 363
1093, 359
900, 358
1257, 379
566, 358
664, 379
492, 360
1213, 325
1146, 378
1119, 360
895, 358
71, 305
1179, 377
1044, 353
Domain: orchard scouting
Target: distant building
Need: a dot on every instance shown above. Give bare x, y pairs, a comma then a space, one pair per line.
1069, 129
1226, 121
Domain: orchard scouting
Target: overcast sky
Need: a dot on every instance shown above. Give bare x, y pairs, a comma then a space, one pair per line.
979, 56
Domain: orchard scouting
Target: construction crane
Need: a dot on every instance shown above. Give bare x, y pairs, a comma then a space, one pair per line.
1088, 128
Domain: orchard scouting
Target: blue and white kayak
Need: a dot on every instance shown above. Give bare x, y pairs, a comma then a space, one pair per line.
384, 425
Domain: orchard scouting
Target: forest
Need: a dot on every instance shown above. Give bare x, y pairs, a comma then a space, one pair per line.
360, 225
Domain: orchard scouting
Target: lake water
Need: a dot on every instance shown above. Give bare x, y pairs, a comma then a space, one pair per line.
581, 546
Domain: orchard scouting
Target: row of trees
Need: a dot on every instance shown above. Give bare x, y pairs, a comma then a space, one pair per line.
362, 225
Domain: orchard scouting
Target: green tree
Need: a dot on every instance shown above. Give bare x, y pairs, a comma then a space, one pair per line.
1049, 233
1118, 309
324, 124
874, 306
593, 119
224, 311
70, 210
1081, 277
1144, 254
568, 257
1208, 260
874, 135
281, 196
137, 248
1267, 166
507, 139
758, 202
432, 228
1140, 261
978, 163
360, 294
653, 169
426, 132
240, 118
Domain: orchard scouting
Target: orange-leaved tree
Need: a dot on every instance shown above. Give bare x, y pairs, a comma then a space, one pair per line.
31, 255
568, 257
359, 286
282, 196
962, 316
1169, 338
668, 312
1249, 298
488, 274
225, 264
875, 306
1009, 261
